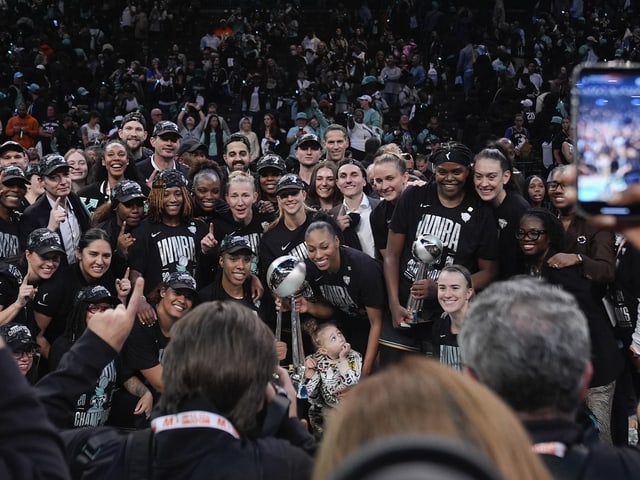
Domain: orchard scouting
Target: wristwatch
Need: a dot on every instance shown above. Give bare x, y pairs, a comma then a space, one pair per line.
579, 257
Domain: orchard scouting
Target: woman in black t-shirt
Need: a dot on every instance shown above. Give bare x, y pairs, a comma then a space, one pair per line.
19, 280
454, 292
390, 178
169, 239
346, 284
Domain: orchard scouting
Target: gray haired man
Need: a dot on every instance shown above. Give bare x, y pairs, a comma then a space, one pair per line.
529, 342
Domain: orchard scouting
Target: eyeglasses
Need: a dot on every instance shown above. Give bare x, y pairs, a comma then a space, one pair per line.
555, 185
95, 308
29, 353
530, 234
309, 147
287, 193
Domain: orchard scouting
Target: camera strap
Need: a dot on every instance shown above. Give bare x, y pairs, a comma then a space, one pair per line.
193, 419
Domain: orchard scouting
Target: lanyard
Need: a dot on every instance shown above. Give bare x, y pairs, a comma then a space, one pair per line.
193, 419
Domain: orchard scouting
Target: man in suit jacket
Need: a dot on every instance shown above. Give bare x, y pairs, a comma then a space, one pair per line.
59, 209
353, 214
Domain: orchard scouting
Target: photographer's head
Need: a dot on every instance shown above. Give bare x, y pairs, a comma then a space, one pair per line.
537, 357
221, 352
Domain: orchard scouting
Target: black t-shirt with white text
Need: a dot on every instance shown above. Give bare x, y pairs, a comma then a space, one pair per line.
468, 232
160, 250
358, 284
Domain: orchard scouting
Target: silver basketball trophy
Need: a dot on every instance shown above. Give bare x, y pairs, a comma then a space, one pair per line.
285, 278
427, 250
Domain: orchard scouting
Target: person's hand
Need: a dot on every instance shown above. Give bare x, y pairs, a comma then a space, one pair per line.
266, 207
257, 290
400, 316
26, 292
563, 260
209, 241
416, 183
629, 227
281, 350
57, 215
152, 177
123, 285
344, 351
284, 304
125, 240
424, 289
343, 220
114, 325
144, 405
310, 365
146, 313
285, 382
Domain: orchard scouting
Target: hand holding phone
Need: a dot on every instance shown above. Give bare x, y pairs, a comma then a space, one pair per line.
606, 118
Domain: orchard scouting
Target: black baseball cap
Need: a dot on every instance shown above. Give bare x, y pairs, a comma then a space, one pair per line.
126, 190
43, 241
13, 174
31, 170
181, 281
134, 117
191, 145
165, 127
17, 337
235, 243
290, 181
96, 294
52, 162
170, 178
11, 146
271, 160
308, 138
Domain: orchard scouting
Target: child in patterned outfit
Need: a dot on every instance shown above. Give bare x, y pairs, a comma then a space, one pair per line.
329, 371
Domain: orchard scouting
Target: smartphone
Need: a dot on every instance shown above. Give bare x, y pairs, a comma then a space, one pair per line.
605, 105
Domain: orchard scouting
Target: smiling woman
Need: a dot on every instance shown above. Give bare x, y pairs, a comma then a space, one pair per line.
348, 286
144, 349
168, 240
21, 277
114, 166
55, 296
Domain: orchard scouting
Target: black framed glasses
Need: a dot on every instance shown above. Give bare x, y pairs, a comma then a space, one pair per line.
553, 186
530, 234
28, 353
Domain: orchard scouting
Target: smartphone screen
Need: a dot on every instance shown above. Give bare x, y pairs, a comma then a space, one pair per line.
606, 109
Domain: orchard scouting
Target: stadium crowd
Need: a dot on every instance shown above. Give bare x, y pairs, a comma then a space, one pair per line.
140, 230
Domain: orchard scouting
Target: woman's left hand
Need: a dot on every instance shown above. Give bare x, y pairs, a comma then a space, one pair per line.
423, 289
123, 285
208, 242
563, 260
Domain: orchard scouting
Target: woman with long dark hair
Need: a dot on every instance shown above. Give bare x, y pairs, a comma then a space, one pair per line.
55, 296
323, 192
214, 137
116, 165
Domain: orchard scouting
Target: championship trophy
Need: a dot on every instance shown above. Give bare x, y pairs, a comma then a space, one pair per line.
285, 278
427, 250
